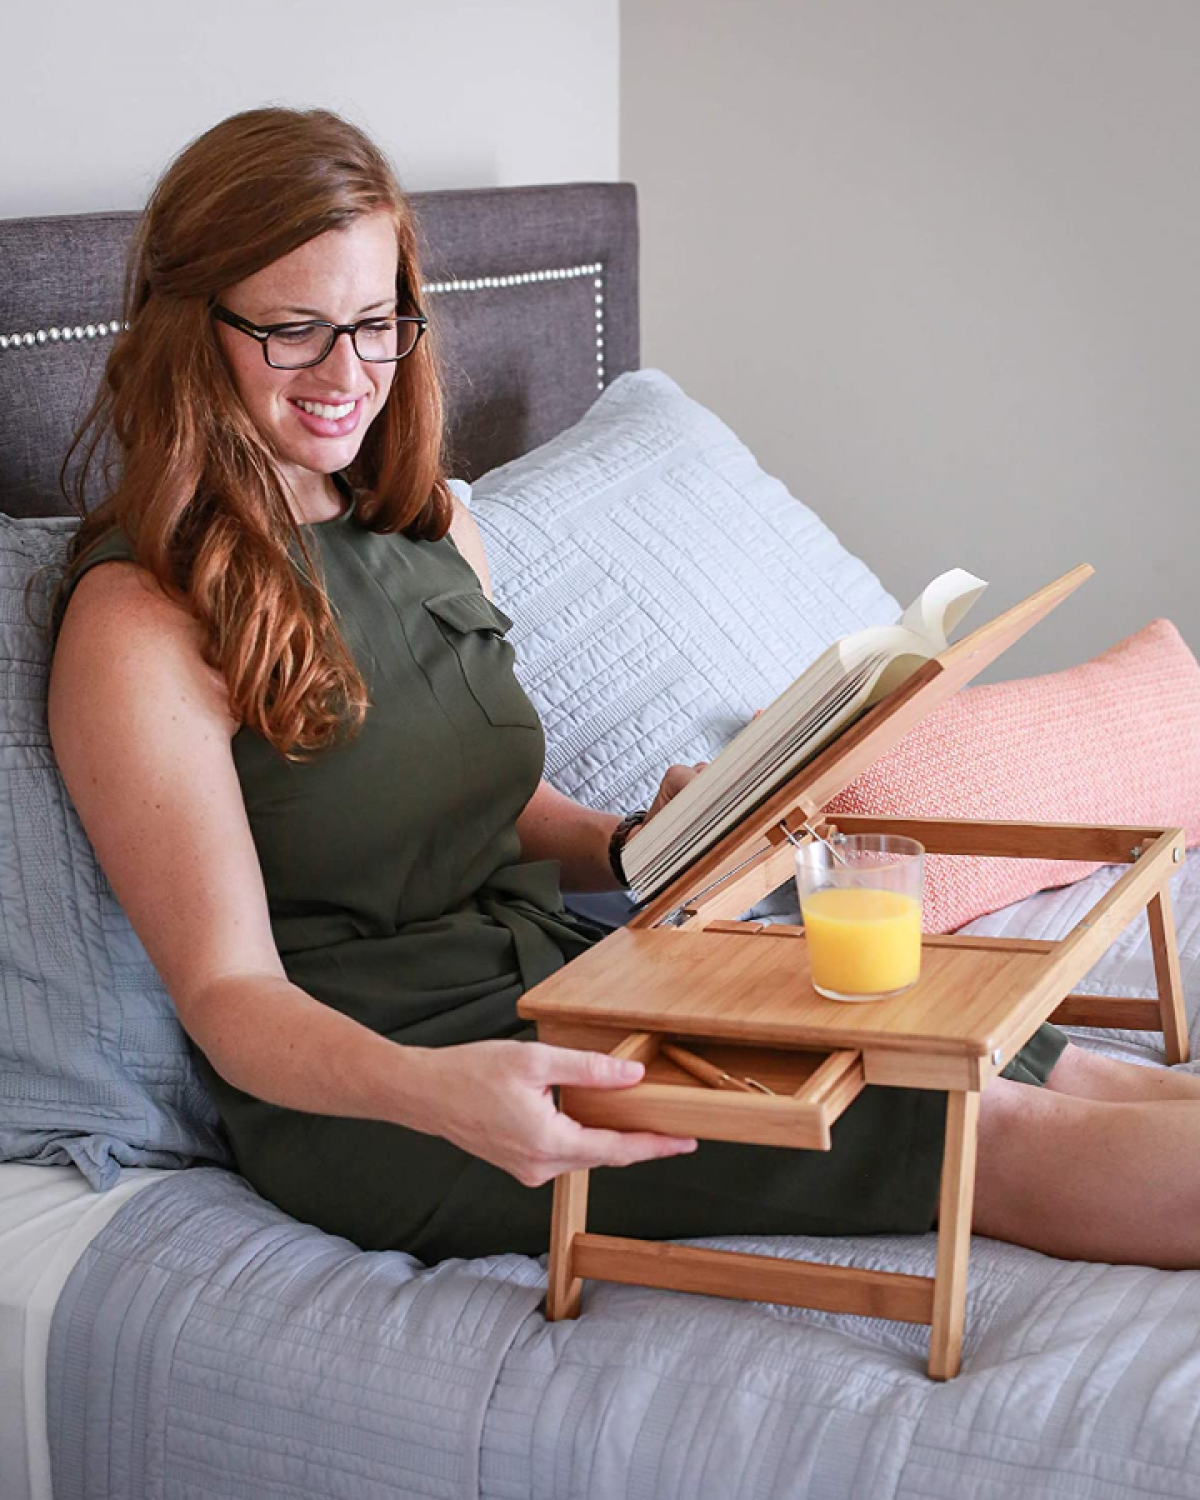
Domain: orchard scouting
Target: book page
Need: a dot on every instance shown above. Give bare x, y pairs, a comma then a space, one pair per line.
938, 608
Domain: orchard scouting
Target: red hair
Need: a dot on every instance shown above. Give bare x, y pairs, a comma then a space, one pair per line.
196, 492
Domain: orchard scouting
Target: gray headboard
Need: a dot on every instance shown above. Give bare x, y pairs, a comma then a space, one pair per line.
534, 290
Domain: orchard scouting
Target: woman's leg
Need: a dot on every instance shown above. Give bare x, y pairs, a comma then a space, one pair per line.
1088, 1178
1090, 1076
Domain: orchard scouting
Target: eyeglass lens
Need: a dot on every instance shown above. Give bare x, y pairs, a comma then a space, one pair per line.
381, 341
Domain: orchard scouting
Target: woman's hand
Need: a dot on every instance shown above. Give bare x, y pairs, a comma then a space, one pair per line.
494, 1100
674, 781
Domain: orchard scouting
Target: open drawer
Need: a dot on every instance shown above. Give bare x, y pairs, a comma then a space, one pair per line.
787, 1098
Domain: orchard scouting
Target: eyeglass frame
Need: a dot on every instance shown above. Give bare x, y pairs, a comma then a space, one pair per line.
263, 331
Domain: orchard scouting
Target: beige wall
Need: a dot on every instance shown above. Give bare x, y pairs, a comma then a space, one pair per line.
462, 93
938, 263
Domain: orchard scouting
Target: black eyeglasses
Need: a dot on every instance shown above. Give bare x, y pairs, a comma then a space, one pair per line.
296, 346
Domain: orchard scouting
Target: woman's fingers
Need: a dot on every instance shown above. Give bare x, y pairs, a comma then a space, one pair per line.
591, 1070
497, 1103
573, 1146
676, 778
619, 1148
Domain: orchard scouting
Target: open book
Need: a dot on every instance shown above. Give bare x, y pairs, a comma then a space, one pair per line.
843, 682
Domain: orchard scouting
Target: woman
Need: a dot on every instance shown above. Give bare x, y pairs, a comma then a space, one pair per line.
283, 705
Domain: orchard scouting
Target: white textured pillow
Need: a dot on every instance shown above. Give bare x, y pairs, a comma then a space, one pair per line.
663, 587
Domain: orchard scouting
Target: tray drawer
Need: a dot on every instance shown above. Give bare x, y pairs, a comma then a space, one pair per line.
808, 1091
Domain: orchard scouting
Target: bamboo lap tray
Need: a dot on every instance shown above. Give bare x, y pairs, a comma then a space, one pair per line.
740, 996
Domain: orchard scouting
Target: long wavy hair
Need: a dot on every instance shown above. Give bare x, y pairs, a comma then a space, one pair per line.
189, 479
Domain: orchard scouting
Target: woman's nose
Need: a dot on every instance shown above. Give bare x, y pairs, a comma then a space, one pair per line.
342, 366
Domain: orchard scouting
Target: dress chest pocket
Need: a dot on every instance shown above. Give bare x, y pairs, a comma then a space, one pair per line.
476, 630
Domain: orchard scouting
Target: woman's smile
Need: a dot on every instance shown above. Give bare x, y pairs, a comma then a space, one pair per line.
328, 419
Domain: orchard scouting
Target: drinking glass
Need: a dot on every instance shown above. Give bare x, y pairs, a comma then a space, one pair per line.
860, 900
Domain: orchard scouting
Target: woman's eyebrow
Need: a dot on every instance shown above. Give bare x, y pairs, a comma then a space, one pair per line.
312, 312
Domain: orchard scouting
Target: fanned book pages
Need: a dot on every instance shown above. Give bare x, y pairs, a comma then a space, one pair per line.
850, 677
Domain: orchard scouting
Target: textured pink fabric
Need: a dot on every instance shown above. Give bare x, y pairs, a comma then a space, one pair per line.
1115, 740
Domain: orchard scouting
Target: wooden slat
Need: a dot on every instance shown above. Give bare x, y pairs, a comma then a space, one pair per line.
1008, 839
568, 1218
987, 944
954, 1236
1166, 971
1129, 1014
756, 1278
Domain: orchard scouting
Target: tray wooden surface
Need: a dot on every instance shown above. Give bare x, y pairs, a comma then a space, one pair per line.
728, 986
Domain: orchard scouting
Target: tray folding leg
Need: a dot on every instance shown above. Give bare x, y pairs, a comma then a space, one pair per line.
564, 1289
954, 1235
1166, 971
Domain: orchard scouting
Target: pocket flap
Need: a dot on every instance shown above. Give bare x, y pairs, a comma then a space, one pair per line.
469, 610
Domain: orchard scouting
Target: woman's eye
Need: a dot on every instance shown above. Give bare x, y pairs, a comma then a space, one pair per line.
298, 333
376, 330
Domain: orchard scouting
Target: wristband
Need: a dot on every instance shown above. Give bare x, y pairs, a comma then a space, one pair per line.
617, 842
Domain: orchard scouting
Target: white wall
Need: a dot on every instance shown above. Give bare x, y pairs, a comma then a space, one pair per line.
938, 263
462, 93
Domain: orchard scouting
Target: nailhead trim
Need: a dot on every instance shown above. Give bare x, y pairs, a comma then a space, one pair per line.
524, 278
433, 288
53, 335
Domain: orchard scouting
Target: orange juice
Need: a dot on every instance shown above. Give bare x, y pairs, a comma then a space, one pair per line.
862, 941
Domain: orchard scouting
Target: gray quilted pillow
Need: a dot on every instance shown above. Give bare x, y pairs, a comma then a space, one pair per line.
94, 1066
663, 587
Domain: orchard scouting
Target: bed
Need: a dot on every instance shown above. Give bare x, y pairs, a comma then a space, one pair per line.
168, 1333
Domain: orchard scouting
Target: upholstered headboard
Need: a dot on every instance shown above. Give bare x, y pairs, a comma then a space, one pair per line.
534, 291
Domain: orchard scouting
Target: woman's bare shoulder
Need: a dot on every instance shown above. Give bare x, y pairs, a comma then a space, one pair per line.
121, 633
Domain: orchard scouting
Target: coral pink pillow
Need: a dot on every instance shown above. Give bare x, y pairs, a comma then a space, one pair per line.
1115, 740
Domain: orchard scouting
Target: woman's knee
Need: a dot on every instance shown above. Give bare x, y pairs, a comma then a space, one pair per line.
1088, 1179
1021, 1130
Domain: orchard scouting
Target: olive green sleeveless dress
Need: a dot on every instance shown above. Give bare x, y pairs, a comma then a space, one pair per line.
397, 895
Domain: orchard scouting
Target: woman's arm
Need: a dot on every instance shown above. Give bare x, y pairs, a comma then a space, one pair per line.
142, 732
554, 827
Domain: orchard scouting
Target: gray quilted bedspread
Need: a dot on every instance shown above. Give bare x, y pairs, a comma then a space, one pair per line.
208, 1347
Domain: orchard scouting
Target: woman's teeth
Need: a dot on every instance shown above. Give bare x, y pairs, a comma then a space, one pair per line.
329, 413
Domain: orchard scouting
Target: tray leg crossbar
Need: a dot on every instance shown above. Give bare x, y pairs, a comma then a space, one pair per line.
939, 1301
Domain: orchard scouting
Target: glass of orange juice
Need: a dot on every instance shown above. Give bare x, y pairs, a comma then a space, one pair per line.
860, 901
